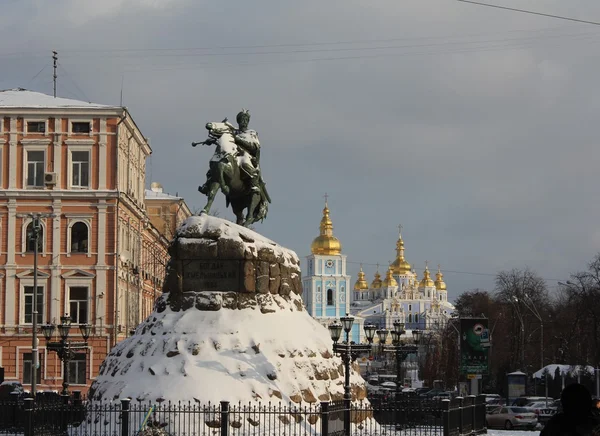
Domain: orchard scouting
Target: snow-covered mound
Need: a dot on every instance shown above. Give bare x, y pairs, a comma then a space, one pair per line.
256, 343
229, 354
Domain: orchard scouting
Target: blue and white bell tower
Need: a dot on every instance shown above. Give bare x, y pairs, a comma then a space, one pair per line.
326, 286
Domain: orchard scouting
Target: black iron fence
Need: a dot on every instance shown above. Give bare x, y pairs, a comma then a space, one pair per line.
405, 417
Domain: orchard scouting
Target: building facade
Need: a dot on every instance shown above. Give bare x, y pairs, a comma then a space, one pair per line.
401, 296
101, 260
326, 286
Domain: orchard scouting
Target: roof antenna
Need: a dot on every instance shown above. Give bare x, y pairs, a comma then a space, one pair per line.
54, 58
122, 80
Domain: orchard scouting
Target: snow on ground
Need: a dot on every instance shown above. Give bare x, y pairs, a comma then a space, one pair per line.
513, 432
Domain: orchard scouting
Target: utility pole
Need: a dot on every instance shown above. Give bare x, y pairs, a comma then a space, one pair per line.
36, 228
54, 76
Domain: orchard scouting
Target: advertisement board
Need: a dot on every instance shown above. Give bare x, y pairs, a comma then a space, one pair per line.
474, 346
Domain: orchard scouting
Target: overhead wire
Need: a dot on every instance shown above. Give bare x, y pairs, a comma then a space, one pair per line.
560, 17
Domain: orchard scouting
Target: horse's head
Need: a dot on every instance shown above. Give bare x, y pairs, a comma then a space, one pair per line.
218, 129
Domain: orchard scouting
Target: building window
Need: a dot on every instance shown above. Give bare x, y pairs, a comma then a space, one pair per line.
80, 127
330, 299
28, 304
410, 317
80, 169
35, 168
79, 237
416, 317
30, 242
410, 307
77, 369
27, 363
78, 304
36, 127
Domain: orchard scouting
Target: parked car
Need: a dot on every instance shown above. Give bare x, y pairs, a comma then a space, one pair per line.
492, 398
11, 389
431, 393
509, 417
444, 396
543, 410
523, 401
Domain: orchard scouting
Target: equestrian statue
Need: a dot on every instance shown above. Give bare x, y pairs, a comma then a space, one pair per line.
235, 169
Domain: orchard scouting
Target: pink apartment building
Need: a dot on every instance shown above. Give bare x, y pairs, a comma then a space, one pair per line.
101, 256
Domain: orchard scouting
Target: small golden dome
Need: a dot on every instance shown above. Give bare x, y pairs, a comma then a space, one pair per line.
439, 280
400, 265
361, 284
376, 283
426, 282
389, 281
326, 243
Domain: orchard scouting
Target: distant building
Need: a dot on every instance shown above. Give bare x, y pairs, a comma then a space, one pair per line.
101, 256
400, 296
326, 285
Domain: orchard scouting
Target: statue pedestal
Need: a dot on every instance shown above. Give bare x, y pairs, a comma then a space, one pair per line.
230, 326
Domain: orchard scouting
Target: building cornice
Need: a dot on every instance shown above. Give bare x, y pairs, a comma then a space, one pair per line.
57, 193
55, 112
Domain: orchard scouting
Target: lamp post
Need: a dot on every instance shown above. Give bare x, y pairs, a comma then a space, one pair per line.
64, 348
349, 352
400, 348
36, 228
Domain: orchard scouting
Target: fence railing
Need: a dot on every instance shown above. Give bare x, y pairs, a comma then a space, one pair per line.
127, 417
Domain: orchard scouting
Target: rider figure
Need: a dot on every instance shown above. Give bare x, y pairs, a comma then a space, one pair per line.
247, 140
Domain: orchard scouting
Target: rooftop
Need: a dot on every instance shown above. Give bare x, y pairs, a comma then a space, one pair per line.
23, 98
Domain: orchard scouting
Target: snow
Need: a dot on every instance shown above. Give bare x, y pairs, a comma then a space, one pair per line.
564, 369
513, 432
154, 195
223, 355
23, 98
195, 226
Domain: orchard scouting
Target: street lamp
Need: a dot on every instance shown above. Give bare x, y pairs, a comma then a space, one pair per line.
400, 349
36, 228
64, 348
349, 352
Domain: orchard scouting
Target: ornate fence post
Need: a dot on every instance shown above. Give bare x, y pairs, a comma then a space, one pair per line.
473, 408
480, 412
324, 418
460, 415
224, 418
446, 417
125, 402
347, 412
28, 409
64, 412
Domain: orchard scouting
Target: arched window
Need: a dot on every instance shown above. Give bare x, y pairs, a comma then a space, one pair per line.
79, 237
410, 317
330, 300
30, 244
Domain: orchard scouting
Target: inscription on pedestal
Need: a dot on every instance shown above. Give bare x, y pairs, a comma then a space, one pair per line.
212, 275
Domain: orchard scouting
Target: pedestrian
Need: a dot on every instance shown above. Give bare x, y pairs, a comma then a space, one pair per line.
576, 418
596, 407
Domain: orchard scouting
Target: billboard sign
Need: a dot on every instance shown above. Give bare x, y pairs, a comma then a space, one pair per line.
474, 345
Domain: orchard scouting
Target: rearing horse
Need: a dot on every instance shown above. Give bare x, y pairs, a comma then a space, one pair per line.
224, 173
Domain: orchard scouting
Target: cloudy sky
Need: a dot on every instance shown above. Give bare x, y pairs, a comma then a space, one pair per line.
475, 128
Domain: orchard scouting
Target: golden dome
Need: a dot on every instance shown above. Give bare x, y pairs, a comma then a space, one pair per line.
361, 284
376, 283
400, 265
326, 243
426, 282
439, 280
389, 279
